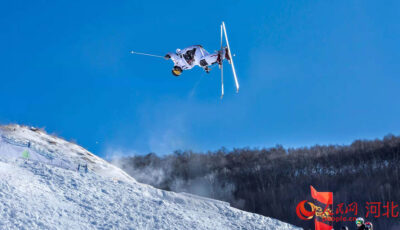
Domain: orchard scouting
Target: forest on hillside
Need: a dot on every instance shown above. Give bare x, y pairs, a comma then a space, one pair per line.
272, 181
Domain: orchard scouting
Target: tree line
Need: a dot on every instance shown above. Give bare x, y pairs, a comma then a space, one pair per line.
272, 181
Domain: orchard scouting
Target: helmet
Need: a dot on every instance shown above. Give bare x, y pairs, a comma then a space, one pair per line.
176, 71
368, 225
359, 221
178, 51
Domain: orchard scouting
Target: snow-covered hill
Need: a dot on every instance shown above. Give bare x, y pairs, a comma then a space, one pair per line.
42, 188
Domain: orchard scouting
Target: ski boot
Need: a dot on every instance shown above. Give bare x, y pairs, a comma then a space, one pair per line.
219, 58
227, 55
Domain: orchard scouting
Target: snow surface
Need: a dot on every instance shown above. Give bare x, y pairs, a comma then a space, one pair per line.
47, 191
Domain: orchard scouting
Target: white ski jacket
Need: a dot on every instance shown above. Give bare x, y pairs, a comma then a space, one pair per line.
189, 57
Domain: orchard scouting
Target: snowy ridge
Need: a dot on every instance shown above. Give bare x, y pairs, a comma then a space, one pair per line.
40, 188
53, 150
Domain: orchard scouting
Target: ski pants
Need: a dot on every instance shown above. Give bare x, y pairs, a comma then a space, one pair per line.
211, 59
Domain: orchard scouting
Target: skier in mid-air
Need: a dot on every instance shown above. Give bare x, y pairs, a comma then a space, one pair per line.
195, 55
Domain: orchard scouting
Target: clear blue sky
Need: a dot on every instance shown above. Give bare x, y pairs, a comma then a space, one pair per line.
311, 72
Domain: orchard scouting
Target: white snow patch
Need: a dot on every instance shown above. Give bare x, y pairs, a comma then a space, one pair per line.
46, 191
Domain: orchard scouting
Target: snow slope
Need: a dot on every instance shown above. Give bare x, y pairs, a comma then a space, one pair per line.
45, 191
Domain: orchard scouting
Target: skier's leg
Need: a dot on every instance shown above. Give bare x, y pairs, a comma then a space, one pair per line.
209, 60
226, 54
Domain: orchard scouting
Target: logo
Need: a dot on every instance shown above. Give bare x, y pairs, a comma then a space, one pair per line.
320, 210
317, 211
303, 213
325, 214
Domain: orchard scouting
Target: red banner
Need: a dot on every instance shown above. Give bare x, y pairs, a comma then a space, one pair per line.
323, 209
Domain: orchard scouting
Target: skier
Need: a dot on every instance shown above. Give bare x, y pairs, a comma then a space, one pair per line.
195, 55
191, 56
369, 226
360, 223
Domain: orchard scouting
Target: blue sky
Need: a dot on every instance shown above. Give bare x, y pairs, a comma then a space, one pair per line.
311, 72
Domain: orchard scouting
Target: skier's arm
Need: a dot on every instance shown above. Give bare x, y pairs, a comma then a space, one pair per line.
172, 56
178, 61
167, 56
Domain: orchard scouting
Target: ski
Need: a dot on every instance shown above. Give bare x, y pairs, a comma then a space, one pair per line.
222, 64
230, 56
